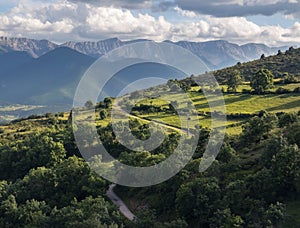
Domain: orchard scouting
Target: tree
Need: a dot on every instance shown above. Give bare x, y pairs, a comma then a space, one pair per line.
36, 150
108, 102
33, 213
90, 212
262, 81
294, 134
285, 168
282, 163
198, 200
89, 105
146, 218
274, 214
288, 78
234, 81
8, 211
227, 153
185, 86
225, 219
256, 127
103, 114
287, 119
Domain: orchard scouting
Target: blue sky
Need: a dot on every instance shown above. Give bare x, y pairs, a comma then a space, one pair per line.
273, 22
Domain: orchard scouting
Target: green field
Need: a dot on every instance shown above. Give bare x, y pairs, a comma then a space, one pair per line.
238, 103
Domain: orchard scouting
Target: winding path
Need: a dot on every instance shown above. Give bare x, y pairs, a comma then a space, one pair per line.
110, 192
118, 107
119, 203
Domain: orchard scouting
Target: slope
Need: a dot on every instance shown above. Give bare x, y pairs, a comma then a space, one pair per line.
288, 61
50, 74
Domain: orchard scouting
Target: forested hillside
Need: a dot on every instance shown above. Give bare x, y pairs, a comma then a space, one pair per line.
254, 181
288, 61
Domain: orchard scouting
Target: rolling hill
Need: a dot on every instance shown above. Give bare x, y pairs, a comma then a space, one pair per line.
288, 61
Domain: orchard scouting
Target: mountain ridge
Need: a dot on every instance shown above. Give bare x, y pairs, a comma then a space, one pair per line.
216, 54
35, 48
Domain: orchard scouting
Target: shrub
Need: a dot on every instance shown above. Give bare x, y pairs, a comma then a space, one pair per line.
297, 90
245, 91
281, 90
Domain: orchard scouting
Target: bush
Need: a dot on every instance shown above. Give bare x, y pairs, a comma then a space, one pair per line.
297, 90
49, 115
245, 91
281, 90
240, 116
287, 119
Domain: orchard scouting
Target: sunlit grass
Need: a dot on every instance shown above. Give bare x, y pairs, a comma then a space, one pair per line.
235, 104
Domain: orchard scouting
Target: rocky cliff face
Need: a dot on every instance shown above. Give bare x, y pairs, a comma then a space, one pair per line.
33, 47
95, 49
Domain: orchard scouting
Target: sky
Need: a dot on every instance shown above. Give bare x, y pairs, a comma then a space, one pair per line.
272, 22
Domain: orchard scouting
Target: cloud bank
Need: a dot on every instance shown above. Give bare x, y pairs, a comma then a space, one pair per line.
65, 20
236, 8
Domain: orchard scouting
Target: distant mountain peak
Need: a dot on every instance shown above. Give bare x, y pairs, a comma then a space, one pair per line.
35, 48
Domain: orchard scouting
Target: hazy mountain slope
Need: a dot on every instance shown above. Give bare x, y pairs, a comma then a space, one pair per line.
49, 74
216, 54
254, 51
11, 60
220, 54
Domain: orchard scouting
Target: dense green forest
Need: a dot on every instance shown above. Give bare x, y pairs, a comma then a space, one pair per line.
254, 182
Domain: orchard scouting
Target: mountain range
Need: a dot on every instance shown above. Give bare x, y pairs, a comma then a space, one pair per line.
216, 54
40, 72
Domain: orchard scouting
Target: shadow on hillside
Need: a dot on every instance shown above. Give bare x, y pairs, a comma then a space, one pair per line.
228, 100
237, 98
290, 105
199, 99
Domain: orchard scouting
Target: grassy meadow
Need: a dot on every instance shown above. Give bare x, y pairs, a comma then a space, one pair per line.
236, 104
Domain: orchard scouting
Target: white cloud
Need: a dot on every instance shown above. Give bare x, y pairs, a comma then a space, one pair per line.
186, 13
65, 21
